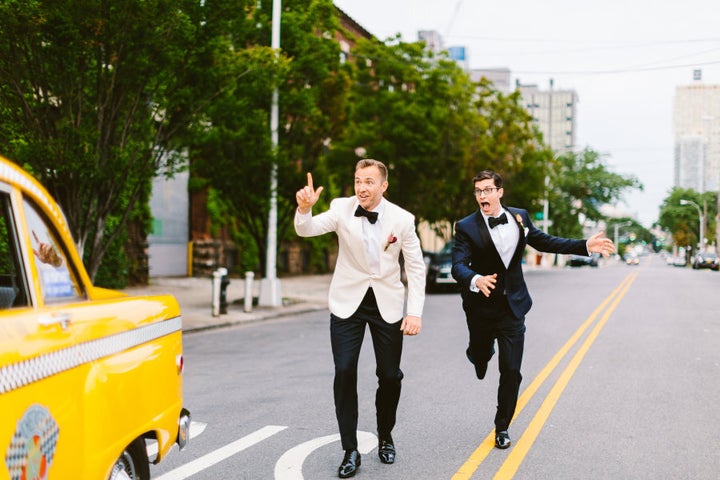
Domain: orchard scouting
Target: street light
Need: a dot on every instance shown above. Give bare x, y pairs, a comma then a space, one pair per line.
701, 218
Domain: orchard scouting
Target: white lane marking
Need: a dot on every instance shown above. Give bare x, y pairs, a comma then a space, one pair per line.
221, 454
289, 466
196, 428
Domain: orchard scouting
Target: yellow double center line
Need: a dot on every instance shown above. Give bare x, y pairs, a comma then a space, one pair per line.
522, 446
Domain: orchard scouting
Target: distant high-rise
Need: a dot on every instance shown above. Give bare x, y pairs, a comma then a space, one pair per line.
554, 112
500, 77
690, 163
460, 55
433, 40
696, 122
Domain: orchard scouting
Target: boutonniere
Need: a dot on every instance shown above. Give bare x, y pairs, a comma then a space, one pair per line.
391, 239
520, 222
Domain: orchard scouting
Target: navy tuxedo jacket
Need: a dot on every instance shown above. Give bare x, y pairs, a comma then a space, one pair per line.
474, 253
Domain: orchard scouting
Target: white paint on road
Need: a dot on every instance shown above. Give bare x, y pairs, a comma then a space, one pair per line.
289, 466
221, 454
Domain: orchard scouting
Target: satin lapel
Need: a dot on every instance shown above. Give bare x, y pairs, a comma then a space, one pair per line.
485, 234
521, 241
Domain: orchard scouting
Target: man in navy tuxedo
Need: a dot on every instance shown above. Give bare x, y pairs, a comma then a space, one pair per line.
487, 263
366, 290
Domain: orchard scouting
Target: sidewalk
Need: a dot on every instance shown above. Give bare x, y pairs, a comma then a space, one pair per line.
299, 294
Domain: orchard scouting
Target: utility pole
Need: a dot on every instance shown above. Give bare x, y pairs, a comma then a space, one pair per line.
270, 295
546, 200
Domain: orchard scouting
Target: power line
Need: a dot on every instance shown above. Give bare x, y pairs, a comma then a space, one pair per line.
575, 41
452, 19
615, 71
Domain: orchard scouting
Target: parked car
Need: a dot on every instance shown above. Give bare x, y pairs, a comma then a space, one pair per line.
439, 266
706, 260
87, 375
580, 260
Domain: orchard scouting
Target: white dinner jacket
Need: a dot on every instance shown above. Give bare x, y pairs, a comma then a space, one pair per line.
352, 276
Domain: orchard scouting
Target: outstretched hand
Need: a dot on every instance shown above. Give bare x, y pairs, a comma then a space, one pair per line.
599, 243
307, 196
46, 253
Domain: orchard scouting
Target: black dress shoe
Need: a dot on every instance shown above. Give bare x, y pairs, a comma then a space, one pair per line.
350, 464
386, 451
502, 439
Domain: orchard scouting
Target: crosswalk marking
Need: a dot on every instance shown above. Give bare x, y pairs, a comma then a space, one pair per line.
221, 454
289, 466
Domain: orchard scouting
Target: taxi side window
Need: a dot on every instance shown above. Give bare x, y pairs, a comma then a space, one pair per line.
13, 290
56, 278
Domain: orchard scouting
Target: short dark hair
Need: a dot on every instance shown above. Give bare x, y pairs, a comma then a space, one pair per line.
369, 162
488, 175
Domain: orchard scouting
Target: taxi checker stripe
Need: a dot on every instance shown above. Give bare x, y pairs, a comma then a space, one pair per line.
20, 374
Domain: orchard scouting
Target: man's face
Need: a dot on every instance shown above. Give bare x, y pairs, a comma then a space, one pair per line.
369, 186
489, 202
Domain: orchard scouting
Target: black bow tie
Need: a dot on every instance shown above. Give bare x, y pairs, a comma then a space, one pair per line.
371, 216
495, 221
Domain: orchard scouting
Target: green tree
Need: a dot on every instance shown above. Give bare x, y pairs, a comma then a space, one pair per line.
508, 143
234, 152
581, 183
683, 220
93, 95
435, 129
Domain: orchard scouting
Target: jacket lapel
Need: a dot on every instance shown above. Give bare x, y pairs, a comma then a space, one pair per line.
485, 235
521, 240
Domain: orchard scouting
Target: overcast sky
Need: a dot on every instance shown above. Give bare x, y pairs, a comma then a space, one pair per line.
623, 58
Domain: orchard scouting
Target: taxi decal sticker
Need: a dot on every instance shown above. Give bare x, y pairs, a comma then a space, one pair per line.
31, 370
32, 449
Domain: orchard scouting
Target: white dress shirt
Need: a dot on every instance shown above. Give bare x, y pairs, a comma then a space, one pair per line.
372, 240
505, 236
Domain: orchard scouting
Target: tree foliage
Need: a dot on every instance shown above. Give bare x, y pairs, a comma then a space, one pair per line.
435, 129
683, 221
99, 96
93, 94
234, 154
581, 183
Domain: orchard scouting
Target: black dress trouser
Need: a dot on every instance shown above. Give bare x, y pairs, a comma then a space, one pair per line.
346, 336
509, 331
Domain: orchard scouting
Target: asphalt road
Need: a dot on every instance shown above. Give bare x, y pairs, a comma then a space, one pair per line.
620, 380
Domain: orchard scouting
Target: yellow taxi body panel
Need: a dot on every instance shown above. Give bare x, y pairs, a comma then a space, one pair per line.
84, 371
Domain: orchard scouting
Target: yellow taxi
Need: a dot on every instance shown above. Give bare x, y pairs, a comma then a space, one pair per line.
90, 378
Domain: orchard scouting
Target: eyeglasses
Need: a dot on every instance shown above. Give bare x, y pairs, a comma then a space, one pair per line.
484, 191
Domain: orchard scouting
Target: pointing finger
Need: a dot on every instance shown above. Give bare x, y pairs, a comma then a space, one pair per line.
310, 181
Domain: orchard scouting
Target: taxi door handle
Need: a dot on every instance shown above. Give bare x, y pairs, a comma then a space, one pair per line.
61, 318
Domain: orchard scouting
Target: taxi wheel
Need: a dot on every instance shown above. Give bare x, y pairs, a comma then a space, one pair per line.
132, 464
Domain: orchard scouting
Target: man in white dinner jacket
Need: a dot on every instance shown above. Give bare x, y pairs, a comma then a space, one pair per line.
366, 289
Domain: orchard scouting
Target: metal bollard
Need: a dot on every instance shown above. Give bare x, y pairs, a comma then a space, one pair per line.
218, 291
224, 282
249, 291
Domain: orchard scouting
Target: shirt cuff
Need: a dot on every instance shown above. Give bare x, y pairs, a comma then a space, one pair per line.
473, 284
